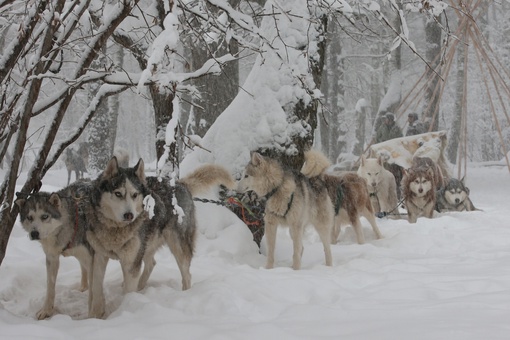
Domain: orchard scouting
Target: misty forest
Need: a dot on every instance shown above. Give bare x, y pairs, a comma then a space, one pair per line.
151, 77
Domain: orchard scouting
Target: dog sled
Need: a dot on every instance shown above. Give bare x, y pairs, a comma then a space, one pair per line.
401, 151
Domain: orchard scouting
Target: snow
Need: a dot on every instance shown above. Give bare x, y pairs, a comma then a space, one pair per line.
441, 278
256, 118
446, 277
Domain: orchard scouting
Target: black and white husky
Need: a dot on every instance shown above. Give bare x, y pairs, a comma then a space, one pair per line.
454, 196
58, 222
131, 216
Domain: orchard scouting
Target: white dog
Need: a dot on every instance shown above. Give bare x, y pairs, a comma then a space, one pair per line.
381, 185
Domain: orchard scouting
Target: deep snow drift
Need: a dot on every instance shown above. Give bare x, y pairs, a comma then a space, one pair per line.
444, 278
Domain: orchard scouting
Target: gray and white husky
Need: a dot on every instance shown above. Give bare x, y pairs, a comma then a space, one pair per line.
121, 229
454, 196
57, 221
291, 201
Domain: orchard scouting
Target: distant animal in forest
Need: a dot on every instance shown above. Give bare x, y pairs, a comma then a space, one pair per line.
76, 161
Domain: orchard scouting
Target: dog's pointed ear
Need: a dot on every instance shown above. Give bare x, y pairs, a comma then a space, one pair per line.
256, 158
363, 159
380, 160
55, 200
20, 202
112, 168
462, 180
140, 170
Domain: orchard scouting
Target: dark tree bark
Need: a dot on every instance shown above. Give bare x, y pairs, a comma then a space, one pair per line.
333, 88
305, 113
102, 128
455, 129
433, 35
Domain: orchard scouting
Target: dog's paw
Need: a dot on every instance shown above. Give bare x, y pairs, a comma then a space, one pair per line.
45, 313
97, 314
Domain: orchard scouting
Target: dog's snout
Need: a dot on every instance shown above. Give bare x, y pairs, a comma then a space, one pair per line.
34, 235
374, 184
420, 190
128, 216
457, 200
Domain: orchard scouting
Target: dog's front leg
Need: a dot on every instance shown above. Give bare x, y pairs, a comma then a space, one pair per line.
96, 273
130, 274
429, 210
412, 216
52, 264
270, 231
296, 233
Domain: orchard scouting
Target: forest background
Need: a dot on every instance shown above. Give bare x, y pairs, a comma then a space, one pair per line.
152, 77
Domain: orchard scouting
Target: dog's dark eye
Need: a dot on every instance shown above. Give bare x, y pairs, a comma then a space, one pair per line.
135, 195
246, 176
45, 217
30, 218
118, 194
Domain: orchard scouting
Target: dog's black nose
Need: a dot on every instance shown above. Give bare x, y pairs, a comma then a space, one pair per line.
457, 200
420, 190
128, 216
34, 235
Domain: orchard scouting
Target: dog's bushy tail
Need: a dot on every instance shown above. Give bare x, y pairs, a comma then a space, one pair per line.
316, 163
207, 176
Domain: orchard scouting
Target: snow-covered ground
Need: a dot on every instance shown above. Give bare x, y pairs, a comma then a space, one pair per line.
443, 278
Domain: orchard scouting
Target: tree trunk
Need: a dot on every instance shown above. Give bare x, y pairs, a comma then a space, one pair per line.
216, 91
8, 216
455, 129
103, 127
163, 111
432, 92
306, 113
392, 98
333, 89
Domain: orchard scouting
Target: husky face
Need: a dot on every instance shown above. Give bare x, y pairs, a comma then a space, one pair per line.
121, 192
257, 176
421, 184
371, 170
455, 192
123, 204
40, 215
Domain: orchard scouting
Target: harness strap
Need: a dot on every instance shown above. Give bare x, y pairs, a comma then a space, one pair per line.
339, 199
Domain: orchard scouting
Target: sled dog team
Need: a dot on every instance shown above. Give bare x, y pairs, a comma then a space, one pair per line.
127, 216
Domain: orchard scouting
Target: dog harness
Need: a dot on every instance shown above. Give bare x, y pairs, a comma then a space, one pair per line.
271, 193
